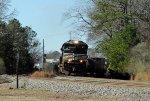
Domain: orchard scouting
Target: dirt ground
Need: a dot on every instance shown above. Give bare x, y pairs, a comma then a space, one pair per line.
7, 93
13, 94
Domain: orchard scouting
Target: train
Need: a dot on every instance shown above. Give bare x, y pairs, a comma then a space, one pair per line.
74, 59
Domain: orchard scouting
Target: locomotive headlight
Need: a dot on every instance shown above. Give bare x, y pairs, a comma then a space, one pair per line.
76, 42
81, 61
69, 60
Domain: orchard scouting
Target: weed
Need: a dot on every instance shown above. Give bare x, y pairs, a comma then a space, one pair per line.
42, 74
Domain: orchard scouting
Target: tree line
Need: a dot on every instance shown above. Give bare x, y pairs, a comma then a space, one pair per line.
120, 29
16, 39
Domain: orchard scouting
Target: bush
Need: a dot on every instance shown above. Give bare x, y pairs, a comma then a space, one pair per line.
139, 63
142, 76
42, 74
2, 67
117, 48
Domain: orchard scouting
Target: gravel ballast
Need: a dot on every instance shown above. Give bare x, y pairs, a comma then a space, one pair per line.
79, 86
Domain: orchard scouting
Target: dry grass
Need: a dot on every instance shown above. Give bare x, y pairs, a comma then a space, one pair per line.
139, 63
142, 76
2, 67
7, 94
42, 74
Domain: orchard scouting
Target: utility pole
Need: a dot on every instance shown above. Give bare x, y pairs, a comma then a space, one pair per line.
43, 54
17, 63
16, 50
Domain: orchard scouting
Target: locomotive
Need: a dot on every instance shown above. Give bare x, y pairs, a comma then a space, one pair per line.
74, 57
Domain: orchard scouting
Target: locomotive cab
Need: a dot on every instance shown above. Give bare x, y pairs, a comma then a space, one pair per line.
74, 56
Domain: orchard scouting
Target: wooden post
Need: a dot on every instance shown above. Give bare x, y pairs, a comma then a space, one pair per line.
17, 63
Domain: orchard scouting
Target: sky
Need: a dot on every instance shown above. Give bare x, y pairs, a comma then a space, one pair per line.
46, 18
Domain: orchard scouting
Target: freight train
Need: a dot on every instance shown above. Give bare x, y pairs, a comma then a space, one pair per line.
74, 59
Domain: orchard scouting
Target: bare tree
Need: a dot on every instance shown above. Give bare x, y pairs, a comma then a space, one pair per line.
101, 18
142, 11
4, 9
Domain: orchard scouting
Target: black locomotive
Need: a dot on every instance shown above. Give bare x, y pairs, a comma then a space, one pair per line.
74, 57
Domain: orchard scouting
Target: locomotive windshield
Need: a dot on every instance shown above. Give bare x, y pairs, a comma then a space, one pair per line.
77, 49
74, 46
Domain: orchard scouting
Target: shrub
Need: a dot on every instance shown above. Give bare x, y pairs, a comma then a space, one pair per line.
142, 76
2, 67
139, 63
42, 74
117, 48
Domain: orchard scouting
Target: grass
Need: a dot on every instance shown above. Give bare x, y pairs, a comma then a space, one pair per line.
2, 67
42, 74
141, 76
139, 63
7, 94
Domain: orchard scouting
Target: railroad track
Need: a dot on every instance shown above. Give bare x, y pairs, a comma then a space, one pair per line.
104, 82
